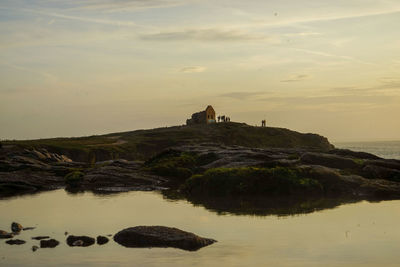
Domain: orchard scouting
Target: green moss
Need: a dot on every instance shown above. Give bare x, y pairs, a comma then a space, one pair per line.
359, 161
172, 163
73, 178
250, 180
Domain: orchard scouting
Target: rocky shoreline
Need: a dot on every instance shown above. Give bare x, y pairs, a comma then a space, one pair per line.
197, 169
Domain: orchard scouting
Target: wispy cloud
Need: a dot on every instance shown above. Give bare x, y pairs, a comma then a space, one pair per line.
297, 78
73, 17
192, 69
242, 95
325, 54
218, 35
121, 5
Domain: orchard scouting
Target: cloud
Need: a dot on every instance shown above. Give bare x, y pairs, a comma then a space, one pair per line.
388, 85
217, 35
72, 17
242, 95
192, 69
297, 78
121, 5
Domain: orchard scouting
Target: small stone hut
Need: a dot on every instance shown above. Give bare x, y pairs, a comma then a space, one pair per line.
203, 117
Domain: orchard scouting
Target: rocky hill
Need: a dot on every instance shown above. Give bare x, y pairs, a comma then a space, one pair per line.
143, 144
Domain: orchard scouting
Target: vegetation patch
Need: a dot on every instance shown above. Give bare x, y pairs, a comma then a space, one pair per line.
251, 180
173, 163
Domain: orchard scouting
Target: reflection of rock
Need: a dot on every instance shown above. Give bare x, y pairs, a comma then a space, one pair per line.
15, 242
160, 236
101, 240
80, 241
51, 243
40, 237
265, 206
16, 227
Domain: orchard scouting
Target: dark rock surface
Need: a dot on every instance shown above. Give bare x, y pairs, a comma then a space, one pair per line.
80, 241
15, 242
51, 243
160, 236
101, 240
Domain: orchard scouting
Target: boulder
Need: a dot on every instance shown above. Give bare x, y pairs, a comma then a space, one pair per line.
15, 242
51, 243
16, 227
80, 241
160, 236
101, 240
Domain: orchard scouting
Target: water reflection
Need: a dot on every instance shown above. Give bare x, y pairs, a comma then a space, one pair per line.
261, 205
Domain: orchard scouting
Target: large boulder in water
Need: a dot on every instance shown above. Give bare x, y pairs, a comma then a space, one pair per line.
160, 236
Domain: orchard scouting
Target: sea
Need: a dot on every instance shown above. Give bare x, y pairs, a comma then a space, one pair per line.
384, 149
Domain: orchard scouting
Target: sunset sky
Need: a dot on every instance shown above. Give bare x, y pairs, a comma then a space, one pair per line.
73, 68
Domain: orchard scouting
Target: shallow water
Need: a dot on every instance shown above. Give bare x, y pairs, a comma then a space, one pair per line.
356, 234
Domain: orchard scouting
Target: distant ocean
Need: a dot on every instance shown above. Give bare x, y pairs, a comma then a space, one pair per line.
384, 149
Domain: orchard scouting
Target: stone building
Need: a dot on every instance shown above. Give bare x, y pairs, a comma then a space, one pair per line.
202, 117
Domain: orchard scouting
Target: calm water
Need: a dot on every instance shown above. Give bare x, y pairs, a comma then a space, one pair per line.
353, 235
384, 149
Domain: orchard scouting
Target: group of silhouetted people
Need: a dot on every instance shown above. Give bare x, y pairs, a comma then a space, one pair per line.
223, 119
263, 123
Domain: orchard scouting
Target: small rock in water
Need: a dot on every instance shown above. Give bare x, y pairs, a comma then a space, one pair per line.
4, 235
15, 242
40, 237
85, 241
66, 233
28, 228
16, 227
51, 243
34, 248
101, 240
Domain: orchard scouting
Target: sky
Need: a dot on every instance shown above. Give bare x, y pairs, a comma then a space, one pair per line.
76, 68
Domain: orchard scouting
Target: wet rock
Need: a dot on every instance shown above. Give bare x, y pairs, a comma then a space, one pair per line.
101, 240
160, 236
83, 241
34, 248
51, 243
40, 237
5, 235
16, 227
15, 242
